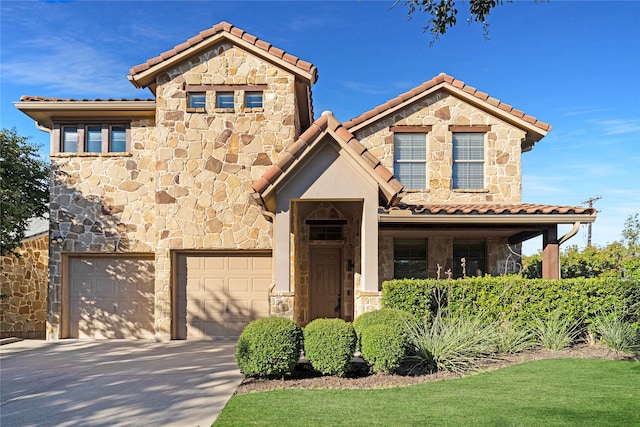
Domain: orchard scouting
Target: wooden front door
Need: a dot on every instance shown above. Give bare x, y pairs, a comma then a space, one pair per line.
325, 282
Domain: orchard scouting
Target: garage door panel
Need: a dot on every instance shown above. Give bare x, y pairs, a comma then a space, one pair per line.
111, 297
221, 294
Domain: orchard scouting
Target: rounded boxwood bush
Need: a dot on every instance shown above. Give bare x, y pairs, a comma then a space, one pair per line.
329, 345
393, 317
269, 348
383, 346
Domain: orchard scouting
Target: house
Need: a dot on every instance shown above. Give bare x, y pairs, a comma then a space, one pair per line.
221, 199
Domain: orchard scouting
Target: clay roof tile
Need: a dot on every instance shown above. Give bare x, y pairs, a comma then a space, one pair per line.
249, 38
276, 52
237, 32
260, 185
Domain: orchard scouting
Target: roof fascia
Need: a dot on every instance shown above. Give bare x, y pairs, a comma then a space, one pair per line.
45, 112
147, 77
486, 219
470, 99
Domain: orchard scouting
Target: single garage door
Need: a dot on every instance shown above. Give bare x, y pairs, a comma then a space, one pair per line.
218, 294
111, 297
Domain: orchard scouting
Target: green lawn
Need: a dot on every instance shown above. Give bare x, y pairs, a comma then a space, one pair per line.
576, 392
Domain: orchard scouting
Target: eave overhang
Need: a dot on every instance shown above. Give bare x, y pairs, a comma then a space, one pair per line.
46, 113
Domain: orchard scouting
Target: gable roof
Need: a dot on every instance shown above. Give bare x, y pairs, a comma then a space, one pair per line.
143, 75
265, 186
535, 128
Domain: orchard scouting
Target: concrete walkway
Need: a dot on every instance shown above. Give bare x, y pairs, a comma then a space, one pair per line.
115, 383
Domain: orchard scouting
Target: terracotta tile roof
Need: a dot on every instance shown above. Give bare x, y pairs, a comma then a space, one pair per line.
225, 27
326, 122
490, 209
28, 98
445, 79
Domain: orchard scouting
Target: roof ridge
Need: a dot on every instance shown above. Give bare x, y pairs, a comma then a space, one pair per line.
443, 78
231, 29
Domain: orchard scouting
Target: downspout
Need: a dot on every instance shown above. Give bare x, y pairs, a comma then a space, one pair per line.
570, 234
42, 128
273, 258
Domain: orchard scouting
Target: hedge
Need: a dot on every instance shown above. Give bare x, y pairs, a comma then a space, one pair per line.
515, 298
393, 317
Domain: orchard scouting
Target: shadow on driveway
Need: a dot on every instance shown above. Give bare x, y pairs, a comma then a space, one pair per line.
115, 383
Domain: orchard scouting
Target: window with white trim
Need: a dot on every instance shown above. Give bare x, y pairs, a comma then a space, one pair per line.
410, 159
468, 161
409, 259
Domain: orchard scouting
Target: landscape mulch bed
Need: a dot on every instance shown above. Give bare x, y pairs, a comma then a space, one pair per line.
305, 378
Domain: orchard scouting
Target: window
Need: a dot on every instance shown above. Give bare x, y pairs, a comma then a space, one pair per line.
93, 139
468, 160
69, 139
253, 100
224, 100
118, 139
196, 100
410, 159
409, 259
326, 229
474, 256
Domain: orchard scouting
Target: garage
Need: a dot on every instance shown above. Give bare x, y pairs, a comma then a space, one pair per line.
217, 294
110, 297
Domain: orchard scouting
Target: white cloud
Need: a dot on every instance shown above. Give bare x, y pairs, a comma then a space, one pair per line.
619, 127
368, 88
66, 65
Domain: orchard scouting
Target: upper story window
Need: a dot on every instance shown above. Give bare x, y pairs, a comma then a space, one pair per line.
93, 142
253, 100
118, 139
409, 259
69, 139
410, 159
91, 138
224, 100
197, 101
468, 160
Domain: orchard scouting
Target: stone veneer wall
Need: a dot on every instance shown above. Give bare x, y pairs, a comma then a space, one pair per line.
186, 184
503, 174
23, 284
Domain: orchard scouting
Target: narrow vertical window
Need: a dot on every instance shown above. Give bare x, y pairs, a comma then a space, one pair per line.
253, 100
93, 139
468, 161
224, 100
410, 159
69, 139
118, 142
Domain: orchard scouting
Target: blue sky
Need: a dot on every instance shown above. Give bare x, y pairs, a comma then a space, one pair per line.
575, 65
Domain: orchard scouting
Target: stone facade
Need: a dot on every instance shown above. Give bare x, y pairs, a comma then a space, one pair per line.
441, 110
23, 307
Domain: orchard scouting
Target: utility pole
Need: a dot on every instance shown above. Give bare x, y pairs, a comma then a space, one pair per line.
590, 202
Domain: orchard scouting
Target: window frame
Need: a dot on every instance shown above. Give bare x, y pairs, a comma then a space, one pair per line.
126, 138
421, 257
248, 94
63, 141
83, 132
192, 107
220, 104
458, 178
87, 135
468, 246
417, 131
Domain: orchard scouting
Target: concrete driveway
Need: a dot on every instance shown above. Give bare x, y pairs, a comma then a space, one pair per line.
115, 383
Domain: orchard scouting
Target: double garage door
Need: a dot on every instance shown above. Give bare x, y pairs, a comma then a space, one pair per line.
215, 295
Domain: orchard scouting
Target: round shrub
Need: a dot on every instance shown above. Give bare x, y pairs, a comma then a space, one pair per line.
383, 347
269, 348
393, 317
329, 345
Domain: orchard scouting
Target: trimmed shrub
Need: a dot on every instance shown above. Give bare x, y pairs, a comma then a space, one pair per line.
413, 296
393, 317
329, 345
383, 346
269, 348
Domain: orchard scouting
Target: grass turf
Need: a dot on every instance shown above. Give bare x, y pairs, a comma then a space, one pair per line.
560, 392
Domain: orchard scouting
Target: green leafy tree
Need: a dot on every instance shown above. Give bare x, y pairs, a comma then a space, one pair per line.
442, 15
24, 188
